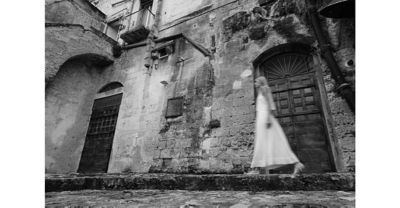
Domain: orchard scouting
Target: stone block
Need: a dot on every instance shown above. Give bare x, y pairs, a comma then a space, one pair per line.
204, 164
342, 131
218, 113
257, 32
165, 153
347, 143
220, 132
183, 143
241, 102
171, 143
349, 159
162, 144
156, 153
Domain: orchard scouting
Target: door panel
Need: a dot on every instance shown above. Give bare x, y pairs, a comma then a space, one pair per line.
298, 108
99, 138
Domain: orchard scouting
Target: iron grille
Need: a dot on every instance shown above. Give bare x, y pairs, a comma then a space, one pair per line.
100, 134
286, 65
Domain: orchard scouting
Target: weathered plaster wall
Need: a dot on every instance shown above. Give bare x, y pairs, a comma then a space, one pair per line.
74, 12
178, 145
140, 143
66, 41
139, 118
69, 98
106, 7
175, 9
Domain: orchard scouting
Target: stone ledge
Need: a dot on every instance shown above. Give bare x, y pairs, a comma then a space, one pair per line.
212, 182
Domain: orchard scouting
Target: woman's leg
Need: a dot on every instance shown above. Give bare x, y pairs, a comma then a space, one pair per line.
298, 167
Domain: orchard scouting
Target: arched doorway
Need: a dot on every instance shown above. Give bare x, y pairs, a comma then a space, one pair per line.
291, 75
100, 134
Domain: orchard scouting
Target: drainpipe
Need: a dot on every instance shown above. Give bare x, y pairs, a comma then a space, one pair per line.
151, 37
343, 88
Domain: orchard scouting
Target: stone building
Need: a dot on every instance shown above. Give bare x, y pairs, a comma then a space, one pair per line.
168, 85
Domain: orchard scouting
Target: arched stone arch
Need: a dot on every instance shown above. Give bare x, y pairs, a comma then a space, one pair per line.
282, 48
65, 42
110, 86
96, 153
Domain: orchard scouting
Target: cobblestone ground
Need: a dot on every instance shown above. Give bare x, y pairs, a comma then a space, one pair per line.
195, 199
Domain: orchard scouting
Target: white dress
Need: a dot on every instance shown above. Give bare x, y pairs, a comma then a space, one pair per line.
271, 147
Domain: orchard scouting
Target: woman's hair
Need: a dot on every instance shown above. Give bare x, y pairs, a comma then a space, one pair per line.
262, 80
263, 85
266, 91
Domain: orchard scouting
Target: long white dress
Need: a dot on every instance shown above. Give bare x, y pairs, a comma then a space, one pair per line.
271, 147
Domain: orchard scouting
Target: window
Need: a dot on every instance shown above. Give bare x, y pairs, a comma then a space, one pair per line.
174, 107
164, 50
162, 53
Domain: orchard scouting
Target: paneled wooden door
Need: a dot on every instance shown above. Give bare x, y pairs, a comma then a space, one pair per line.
99, 138
293, 84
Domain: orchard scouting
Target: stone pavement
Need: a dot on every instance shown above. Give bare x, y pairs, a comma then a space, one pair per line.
197, 199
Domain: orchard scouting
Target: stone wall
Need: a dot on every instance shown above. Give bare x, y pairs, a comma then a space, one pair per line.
179, 140
342, 39
239, 40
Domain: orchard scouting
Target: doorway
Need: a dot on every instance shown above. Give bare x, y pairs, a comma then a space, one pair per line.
293, 82
99, 138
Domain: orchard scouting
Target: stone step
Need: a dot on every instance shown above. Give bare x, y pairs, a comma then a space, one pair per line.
210, 182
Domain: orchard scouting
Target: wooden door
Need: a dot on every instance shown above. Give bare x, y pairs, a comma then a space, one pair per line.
99, 138
293, 84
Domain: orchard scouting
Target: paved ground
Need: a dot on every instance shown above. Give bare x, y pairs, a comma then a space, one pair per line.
195, 199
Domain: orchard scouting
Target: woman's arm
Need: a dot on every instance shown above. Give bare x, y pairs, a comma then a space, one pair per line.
270, 104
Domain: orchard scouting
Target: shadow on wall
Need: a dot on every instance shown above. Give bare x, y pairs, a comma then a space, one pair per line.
68, 102
88, 59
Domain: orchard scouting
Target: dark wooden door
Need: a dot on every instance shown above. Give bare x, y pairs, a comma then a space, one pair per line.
298, 103
99, 138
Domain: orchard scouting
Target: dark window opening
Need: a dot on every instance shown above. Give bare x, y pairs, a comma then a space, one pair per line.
213, 41
174, 107
144, 4
164, 50
162, 53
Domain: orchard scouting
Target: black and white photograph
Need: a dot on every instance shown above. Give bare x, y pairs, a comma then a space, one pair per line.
200, 103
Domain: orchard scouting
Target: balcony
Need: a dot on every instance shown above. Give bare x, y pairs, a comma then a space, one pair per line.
138, 26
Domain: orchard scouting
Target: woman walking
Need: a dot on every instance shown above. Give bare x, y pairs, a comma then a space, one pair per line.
271, 147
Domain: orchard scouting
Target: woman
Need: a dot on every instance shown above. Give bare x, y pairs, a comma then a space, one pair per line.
271, 147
